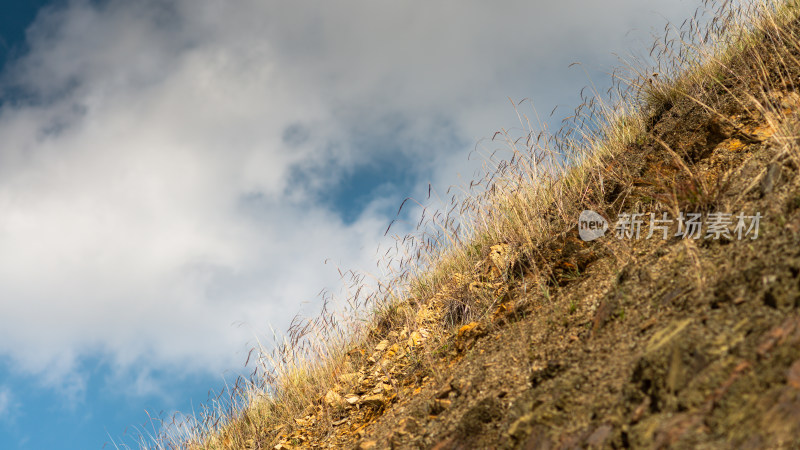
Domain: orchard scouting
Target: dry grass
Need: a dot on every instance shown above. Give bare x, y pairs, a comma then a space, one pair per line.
533, 191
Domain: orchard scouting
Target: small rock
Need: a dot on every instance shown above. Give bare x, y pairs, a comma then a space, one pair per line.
598, 437
382, 345
468, 334
373, 401
383, 388
640, 410
439, 406
374, 358
348, 378
410, 426
603, 314
367, 445
467, 329
445, 444
461, 385
444, 392
366, 385
499, 312
393, 350
793, 376
770, 178
352, 399
414, 339
778, 335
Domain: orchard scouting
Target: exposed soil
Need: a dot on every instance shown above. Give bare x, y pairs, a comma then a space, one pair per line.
655, 343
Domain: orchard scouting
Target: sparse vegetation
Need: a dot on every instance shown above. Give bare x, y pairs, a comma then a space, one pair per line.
693, 131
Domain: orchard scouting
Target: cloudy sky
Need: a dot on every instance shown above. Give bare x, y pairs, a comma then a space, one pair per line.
174, 174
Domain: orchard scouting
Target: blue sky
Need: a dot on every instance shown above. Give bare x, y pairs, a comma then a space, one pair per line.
174, 174
13, 22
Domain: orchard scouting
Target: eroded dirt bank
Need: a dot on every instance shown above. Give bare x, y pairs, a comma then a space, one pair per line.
616, 343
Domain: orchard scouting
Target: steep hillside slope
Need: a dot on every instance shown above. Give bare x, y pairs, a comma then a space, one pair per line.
651, 342
676, 329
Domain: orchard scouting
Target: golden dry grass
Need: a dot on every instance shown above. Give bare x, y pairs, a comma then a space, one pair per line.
532, 192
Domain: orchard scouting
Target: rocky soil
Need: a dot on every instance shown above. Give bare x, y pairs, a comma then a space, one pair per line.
617, 342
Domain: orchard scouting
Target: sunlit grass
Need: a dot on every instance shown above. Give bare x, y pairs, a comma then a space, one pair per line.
534, 187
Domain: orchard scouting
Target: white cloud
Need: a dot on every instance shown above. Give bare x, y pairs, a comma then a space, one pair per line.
145, 196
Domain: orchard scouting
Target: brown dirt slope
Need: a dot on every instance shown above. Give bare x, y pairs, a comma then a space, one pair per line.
614, 343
